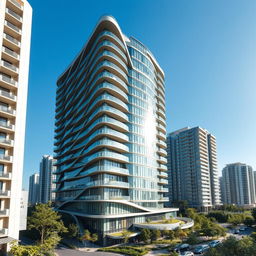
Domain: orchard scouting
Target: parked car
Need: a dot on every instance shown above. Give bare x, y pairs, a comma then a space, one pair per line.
182, 247
187, 253
201, 249
236, 231
242, 229
214, 243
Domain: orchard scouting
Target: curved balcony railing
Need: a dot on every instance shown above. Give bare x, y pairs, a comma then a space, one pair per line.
162, 174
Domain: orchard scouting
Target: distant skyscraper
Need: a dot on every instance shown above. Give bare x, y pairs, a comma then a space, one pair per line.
23, 209
46, 177
192, 167
33, 197
111, 134
15, 32
238, 184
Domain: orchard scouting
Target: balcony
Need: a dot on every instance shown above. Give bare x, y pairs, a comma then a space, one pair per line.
8, 126
7, 111
5, 175
11, 41
10, 55
9, 97
13, 16
3, 231
12, 29
5, 193
161, 144
6, 142
162, 167
5, 158
9, 68
4, 212
162, 160
162, 181
16, 4
162, 174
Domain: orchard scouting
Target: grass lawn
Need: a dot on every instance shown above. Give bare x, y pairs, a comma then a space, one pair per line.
169, 221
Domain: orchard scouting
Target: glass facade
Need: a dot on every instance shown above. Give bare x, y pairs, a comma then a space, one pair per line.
110, 133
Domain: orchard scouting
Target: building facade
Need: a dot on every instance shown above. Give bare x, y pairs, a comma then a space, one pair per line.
110, 136
192, 168
46, 177
238, 184
15, 32
23, 209
33, 196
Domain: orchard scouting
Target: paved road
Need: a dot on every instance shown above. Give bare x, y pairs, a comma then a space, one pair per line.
69, 252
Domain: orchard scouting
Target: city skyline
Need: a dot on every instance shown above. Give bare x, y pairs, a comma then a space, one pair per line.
194, 57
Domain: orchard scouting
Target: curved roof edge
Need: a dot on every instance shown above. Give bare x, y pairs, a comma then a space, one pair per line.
105, 18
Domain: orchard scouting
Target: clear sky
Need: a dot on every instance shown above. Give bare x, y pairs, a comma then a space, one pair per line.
206, 48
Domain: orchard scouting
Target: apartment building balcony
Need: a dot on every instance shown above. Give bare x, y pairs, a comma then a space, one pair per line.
5, 193
161, 144
162, 160
4, 213
7, 96
16, 5
5, 158
6, 142
162, 181
161, 135
14, 17
7, 111
160, 112
162, 167
9, 68
161, 128
5, 175
162, 174
161, 120
6, 126
162, 152
10, 55
11, 29
11, 42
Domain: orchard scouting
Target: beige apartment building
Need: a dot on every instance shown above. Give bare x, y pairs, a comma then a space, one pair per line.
192, 168
15, 32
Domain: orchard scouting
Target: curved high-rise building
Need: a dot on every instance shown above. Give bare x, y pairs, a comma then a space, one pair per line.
110, 136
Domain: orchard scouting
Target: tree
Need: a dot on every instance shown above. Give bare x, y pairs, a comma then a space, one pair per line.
155, 234
249, 221
46, 221
94, 237
73, 230
233, 246
192, 239
87, 236
145, 235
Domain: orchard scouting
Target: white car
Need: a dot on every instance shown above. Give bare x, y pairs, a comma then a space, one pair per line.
187, 253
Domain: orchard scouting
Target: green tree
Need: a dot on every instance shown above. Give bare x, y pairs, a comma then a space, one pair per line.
145, 235
254, 214
46, 221
155, 235
94, 237
87, 236
192, 239
73, 230
249, 221
174, 254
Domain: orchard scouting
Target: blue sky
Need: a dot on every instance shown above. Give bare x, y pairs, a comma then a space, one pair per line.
206, 48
